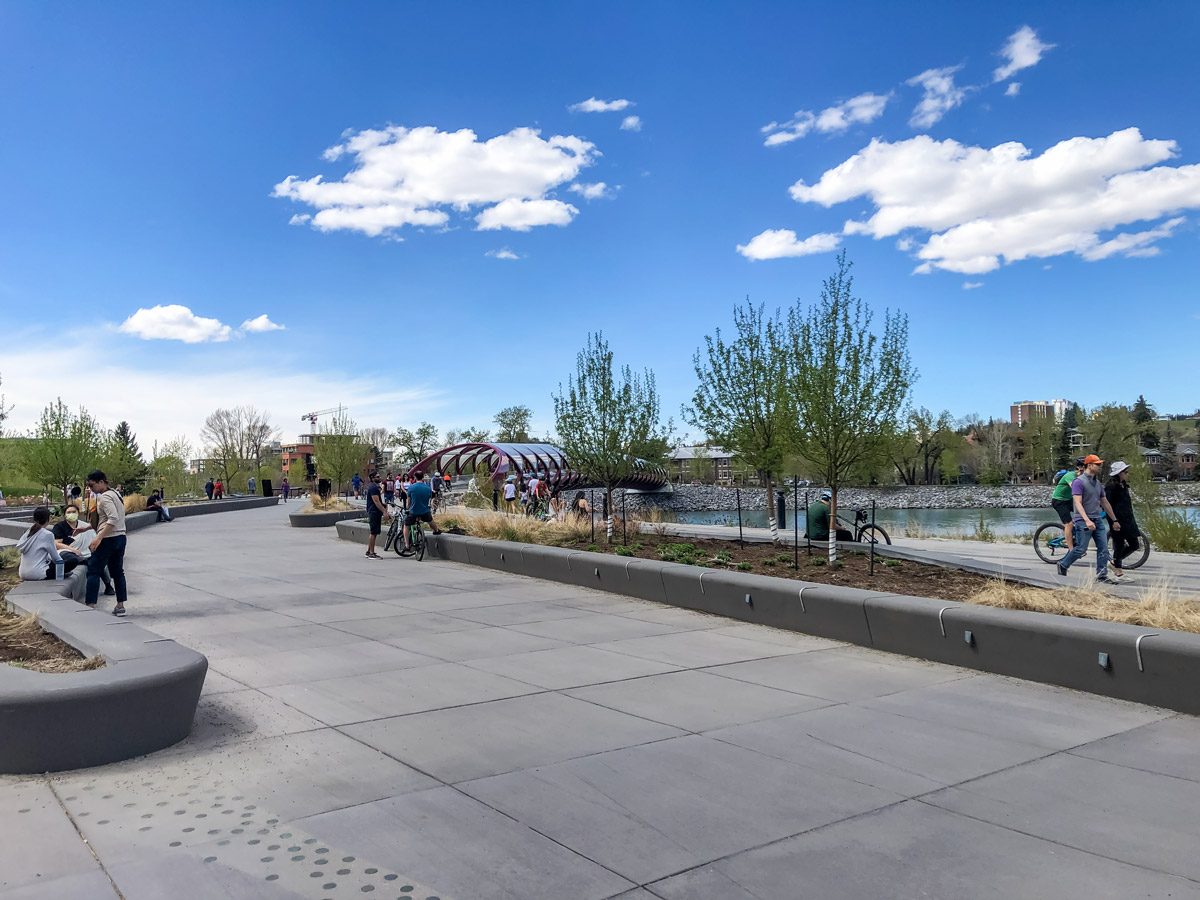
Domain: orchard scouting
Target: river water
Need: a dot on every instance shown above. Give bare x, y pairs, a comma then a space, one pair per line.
920, 522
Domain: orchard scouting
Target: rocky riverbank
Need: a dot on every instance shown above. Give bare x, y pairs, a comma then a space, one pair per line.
703, 497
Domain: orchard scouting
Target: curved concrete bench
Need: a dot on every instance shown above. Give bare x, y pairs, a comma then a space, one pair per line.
15, 528
143, 700
325, 519
1145, 665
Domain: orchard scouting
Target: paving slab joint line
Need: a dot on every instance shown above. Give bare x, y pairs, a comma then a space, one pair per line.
75, 825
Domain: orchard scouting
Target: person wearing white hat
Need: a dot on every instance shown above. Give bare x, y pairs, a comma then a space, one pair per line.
1124, 540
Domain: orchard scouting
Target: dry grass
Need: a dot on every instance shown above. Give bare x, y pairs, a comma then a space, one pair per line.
333, 504
135, 503
657, 521
25, 644
1158, 606
521, 529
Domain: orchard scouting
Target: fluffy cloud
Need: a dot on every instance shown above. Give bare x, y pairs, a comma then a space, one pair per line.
590, 191
591, 104
971, 285
415, 176
174, 323
1013, 89
780, 243
1022, 51
984, 207
631, 123
502, 253
863, 108
178, 323
941, 95
261, 324
521, 215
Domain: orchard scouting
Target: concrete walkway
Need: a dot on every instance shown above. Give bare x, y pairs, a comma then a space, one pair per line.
424, 729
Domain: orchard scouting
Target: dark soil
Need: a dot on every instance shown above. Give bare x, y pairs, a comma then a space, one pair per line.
852, 569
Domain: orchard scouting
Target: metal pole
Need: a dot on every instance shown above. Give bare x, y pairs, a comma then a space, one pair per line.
807, 536
592, 511
738, 493
796, 525
624, 531
872, 537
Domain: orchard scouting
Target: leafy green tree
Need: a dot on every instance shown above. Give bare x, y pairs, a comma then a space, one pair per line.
848, 383
741, 401
1143, 417
1169, 451
339, 450
606, 420
1040, 438
512, 425
168, 469
122, 459
468, 435
5, 409
917, 448
63, 448
1111, 433
414, 446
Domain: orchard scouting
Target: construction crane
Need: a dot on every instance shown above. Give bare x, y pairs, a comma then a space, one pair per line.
311, 417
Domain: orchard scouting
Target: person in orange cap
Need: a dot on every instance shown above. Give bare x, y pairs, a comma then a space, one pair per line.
1087, 494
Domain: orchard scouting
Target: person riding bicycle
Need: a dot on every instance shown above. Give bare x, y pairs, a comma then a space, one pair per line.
419, 496
1060, 499
817, 525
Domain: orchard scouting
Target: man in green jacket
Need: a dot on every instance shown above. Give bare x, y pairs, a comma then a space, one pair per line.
1061, 501
817, 525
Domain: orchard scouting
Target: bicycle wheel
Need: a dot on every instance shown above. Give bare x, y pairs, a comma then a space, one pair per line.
418, 541
1138, 557
873, 534
391, 536
1050, 543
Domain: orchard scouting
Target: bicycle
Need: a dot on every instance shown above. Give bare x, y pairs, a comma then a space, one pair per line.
864, 532
395, 536
1050, 544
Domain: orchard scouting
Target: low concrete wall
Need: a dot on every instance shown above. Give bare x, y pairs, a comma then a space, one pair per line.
142, 701
324, 519
1159, 668
15, 529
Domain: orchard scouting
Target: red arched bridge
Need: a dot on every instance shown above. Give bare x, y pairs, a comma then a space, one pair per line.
525, 460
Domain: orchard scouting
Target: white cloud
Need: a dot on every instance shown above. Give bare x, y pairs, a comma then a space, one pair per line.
982, 207
593, 105
780, 243
833, 119
1013, 89
260, 324
521, 215
590, 191
1022, 51
416, 176
971, 285
502, 253
941, 95
300, 219
631, 123
174, 323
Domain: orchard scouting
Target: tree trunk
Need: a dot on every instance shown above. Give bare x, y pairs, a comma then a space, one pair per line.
608, 519
772, 523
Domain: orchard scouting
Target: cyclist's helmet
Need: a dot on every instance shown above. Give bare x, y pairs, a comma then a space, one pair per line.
826, 495
1079, 461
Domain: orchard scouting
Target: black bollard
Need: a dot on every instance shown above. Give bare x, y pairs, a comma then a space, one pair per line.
807, 539
624, 519
738, 493
872, 537
592, 513
795, 525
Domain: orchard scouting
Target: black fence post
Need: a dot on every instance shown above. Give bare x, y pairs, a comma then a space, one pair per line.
592, 509
624, 519
796, 525
807, 536
872, 537
738, 493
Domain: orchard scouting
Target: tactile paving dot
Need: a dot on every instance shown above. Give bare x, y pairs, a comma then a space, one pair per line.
343, 871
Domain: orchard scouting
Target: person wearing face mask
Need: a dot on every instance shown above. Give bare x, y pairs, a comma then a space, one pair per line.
71, 535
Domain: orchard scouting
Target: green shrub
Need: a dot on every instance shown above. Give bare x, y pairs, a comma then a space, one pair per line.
744, 566
10, 557
1171, 531
624, 551
783, 558
818, 561
768, 562
635, 547
837, 563
891, 562
594, 548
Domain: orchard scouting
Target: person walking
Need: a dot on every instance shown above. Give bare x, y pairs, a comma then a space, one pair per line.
357, 482
219, 489
209, 488
376, 513
510, 495
1124, 539
285, 487
108, 547
250, 485
1087, 493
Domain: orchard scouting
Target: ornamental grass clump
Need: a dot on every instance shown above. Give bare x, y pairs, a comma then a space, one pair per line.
1159, 605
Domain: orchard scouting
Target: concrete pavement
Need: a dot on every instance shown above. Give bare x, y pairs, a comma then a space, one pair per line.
424, 729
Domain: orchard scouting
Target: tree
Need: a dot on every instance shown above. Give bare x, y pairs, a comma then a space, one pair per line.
848, 384
122, 459
917, 450
414, 446
997, 451
258, 436
1111, 433
237, 440
1041, 438
740, 401
1169, 451
512, 425
168, 469
339, 450
1143, 417
63, 447
605, 422
5, 409
468, 435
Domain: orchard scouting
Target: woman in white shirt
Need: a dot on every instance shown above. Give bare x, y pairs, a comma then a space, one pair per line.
38, 551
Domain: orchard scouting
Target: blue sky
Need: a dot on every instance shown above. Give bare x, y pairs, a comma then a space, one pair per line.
148, 151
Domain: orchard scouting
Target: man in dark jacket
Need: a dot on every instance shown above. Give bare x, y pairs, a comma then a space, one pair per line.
1125, 540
